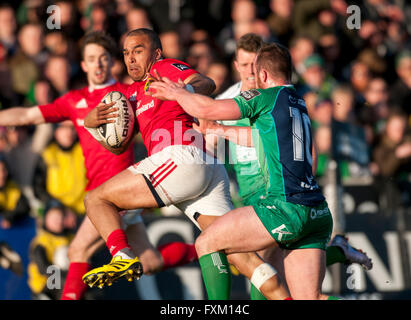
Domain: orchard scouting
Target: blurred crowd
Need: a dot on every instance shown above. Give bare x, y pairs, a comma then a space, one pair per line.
354, 77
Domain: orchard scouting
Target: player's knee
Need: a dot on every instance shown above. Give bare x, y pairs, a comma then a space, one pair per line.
91, 197
77, 252
202, 245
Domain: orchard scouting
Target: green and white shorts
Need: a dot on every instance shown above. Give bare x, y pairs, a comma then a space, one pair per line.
295, 226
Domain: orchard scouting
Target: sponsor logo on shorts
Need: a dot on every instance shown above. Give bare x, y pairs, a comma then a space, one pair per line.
314, 213
281, 230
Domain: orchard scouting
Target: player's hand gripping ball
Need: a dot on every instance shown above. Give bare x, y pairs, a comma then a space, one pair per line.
115, 133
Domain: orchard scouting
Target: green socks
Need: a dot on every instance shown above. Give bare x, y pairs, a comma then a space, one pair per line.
255, 294
334, 255
216, 275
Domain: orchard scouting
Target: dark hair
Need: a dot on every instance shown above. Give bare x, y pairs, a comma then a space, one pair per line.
153, 36
276, 59
249, 42
100, 38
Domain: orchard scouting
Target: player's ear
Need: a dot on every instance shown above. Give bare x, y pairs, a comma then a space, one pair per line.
157, 54
236, 65
83, 66
264, 75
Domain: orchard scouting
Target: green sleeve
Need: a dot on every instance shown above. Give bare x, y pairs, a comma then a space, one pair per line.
255, 102
249, 103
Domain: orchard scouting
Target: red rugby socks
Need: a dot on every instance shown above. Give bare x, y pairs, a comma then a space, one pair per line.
74, 286
116, 241
177, 253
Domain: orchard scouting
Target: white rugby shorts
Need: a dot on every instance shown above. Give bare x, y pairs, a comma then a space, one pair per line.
188, 178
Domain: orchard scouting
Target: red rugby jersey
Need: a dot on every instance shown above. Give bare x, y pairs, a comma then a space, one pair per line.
100, 163
162, 123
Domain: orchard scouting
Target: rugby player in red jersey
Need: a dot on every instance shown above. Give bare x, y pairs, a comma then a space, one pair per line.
97, 52
177, 171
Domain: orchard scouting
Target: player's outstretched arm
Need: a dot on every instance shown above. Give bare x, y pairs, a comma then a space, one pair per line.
196, 105
21, 116
236, 134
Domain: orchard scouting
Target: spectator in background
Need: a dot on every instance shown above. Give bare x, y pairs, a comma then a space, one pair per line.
392, 155
243, 14
57, 72
400, 91
343, 104
21, 160
260, 27
26, 64
374, 112
98, 19
200, 56
4, 144
392, 162
170, 40
8, 28
301, 47
317, 17
349, 139
330, 49
322, 113
60, 172
280, 20
48, 248
315, 78
69, 19
7, 95
13, 204
220, 74
137, 18
10, 259
359, 78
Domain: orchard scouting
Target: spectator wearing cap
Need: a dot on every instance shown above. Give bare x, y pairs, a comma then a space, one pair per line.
315, 78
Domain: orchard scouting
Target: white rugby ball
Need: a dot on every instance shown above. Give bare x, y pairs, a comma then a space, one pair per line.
115, 133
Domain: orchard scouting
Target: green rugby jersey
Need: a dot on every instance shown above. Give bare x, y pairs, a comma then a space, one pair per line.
244, 159
284, 153
245, 163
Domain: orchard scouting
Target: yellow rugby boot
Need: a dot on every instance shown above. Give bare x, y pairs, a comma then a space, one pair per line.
116, 269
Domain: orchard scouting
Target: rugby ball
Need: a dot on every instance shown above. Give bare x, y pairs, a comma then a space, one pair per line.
115, 133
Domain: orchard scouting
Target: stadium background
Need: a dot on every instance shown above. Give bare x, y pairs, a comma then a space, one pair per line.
353, 71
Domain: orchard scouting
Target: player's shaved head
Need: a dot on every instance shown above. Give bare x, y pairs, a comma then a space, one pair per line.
151, 35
